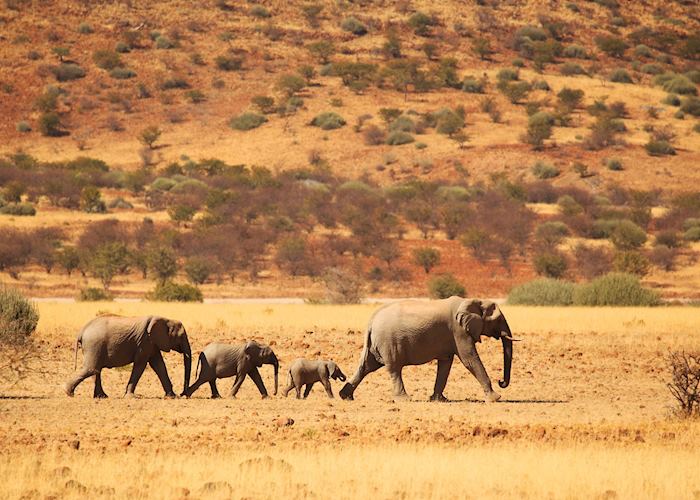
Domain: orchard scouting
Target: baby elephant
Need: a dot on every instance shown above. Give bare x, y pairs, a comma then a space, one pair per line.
303, 371
224, 360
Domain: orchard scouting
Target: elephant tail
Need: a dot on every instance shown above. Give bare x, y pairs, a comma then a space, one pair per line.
78, 343
199, 362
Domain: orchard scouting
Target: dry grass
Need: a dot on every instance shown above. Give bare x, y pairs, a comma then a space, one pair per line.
586, 415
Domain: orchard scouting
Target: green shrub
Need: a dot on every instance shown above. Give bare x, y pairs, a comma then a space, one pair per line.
551, 233
84, 28
540, 85
612, 46
23, 126
247, 121
49, 124
106, 59
163, 42
692, 234
691, 222
543, 292
620, 75
691, 106
444, 286
642, 50
569, 68
198, 269
672, 100
627, 235
18, 317
631, 262
260, 12
122, 47
229, 62
615, 289
659, 148
613, 164
652, 69
175, 82
398, 138
473, 86
543, 170
195, 96
19, 209
550, 264
94, 295
575, 51
169, 291
539, 128
508, 75
676, 84
122, 73
354, 26
328, 121
66, 72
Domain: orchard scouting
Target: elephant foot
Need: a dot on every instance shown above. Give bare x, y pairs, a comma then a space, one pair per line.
170, 395
68, 390
439, 398
401, 397
216, 396
100, 396
129, 395
184, 394
492, 397
346, 392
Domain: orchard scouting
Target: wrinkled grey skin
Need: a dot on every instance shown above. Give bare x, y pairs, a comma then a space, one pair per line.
224, 360
110, 341
415, 332
306, 372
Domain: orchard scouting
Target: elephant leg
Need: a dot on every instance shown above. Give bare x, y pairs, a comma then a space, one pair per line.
297, 389
466, 350
327, 386
307, 390
443, 371
286, 390
368, 365
99, 392
240, 377
158, 365
255, 375
136, 372
79, 377
397, 379
214, 390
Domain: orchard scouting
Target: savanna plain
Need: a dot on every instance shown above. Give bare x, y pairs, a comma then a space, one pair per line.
587, 414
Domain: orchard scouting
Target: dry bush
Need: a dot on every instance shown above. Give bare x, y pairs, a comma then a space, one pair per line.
685, 381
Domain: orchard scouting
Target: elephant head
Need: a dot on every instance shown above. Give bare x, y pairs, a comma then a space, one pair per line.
485, 318
262, 354
169, 334
334, 372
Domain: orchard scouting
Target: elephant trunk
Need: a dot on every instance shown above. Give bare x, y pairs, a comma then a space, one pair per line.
187, 360
507, 356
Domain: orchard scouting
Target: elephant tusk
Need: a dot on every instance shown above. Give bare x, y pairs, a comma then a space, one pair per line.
512, 339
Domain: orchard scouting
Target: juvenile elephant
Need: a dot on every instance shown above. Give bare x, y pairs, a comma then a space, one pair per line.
110, 341
415, 332
224, 360
305, 372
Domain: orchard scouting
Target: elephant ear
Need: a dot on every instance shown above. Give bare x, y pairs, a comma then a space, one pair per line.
466, 307
158, 332
252, 352
474, 324
330, 368
491, 311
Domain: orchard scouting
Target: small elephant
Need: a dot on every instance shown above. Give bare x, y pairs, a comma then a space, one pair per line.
225, 360
303, 371
110, 341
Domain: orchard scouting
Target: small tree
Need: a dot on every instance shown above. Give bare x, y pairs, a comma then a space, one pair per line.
18, 320
150, 135
550, 264
342, 286
322, 50
91, 200
685, 381
163, 263
539, 128
444, 286
69, 259
60, 52
198, 269
290, 84
109, 260
427, 258
482, 48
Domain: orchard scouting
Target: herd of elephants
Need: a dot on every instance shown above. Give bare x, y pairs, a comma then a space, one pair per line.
409, 332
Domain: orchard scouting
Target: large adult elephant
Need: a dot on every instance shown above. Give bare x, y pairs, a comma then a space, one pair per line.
415, 332
110, 341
